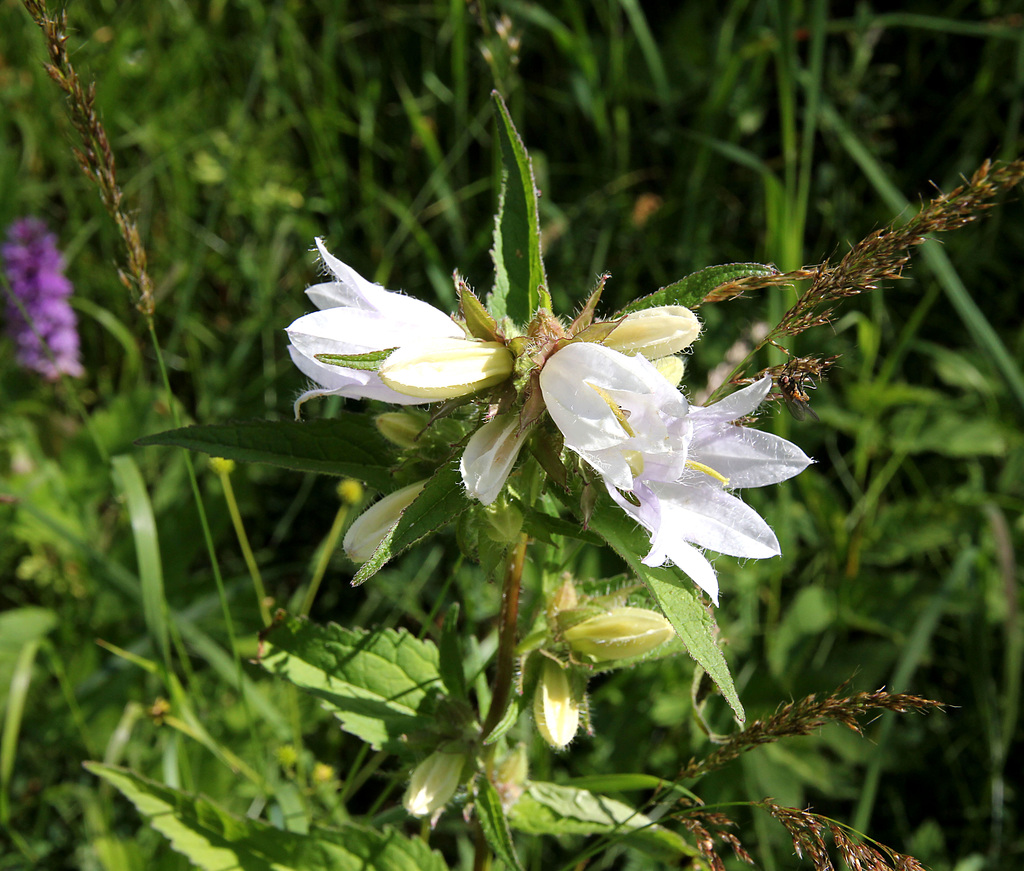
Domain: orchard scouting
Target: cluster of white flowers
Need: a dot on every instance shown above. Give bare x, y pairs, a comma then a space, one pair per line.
669, 464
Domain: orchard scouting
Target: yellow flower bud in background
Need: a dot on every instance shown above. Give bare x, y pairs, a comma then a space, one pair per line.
401, 427
433, 783
322, 773
671, 368
619, 634
555, 711
369, 528
655, 332
446, 368
350, 491
222, 466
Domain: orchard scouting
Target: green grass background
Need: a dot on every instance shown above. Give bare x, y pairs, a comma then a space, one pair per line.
665, 137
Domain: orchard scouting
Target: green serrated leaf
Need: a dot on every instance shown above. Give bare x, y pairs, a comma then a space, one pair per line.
371, 361
674, 592
441, 501
380, 685
346, 445
495, 824
215, 840
692, 290
550, 809
518, 263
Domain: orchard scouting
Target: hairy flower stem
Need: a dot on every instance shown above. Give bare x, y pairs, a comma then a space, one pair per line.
506, 639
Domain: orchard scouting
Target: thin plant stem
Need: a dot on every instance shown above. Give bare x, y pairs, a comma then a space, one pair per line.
223, 469
506, 638
330, 543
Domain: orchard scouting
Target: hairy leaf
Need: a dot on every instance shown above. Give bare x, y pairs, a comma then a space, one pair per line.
495, 824
518, 266
346, 445
674, 592
215, 840
692, 290
380, 685
550, 809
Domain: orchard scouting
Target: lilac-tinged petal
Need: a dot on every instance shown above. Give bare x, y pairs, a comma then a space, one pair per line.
734, 406
708, 516
749, 457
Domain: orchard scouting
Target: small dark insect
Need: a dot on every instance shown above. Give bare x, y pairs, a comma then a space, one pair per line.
797, 400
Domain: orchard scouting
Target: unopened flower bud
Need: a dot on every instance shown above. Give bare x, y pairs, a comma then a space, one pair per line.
433, 783
222, 466
672, 369
369, 528
655, 332
446, 368
490, 455
555, 710
619, 634
350, 491
401, 427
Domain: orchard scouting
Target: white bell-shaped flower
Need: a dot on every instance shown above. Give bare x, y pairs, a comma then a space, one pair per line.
669, 465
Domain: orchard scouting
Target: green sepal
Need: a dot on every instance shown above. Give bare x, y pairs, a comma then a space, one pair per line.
478, 320
371, 361
692, 290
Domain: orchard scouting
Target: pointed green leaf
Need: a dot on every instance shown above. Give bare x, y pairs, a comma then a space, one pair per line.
674, 592
441, 501
495, 824
692, 290
346, 445
380, 685
147, 551
371, 361
550, 809
452, 660
215, 840
518, 263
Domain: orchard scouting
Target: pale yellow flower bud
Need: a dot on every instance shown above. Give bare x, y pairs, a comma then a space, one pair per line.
369, 528
433, 783
401, 427
446, 368
222, 466
350, 491
655, 332
555, 711
672, 369
619, 634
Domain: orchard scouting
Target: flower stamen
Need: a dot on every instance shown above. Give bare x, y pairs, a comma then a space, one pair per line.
707, 470
621, 415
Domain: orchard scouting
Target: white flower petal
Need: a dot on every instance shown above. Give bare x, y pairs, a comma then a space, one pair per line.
354, 292
489, 457
734, 406
707, 515
689, 559
749, 457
